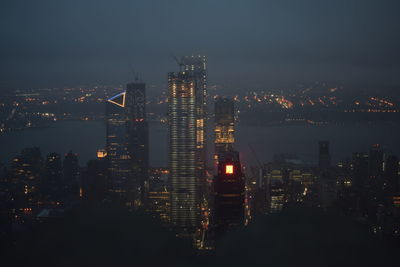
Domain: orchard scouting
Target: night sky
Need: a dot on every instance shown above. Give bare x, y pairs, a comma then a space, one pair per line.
256, 43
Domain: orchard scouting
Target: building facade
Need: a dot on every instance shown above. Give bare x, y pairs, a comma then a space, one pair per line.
196, 68
187, 142
182, 151
137, 138
127, 146
224, 126
229, 193
118, 159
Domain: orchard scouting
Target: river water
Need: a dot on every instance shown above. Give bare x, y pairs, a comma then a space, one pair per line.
85, 137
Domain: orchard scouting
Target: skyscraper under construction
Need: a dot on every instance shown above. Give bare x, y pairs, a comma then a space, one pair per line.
187, 116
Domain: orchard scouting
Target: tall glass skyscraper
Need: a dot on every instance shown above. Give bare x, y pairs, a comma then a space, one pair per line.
137, 138
224, 126
127, 145
118, 160
195, 67
187, 115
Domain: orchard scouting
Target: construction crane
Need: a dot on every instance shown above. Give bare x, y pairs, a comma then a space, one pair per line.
179, 62
254, 154
135, 74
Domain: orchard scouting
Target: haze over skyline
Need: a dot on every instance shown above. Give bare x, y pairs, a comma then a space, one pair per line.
247, 43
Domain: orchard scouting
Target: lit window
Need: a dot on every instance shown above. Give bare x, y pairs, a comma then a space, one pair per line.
229, 169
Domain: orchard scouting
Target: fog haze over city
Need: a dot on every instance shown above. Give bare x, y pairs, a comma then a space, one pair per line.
247, 43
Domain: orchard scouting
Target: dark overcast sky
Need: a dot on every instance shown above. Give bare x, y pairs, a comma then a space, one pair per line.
247, 42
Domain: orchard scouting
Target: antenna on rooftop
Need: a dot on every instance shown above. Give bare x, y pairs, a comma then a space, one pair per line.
135, 74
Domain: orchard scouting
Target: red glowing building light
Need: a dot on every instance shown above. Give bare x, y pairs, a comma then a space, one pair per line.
229, 169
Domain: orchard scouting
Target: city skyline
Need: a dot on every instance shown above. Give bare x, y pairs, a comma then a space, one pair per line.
185, 197
200, 133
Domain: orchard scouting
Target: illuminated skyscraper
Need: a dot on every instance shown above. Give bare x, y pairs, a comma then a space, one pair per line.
187, 116
229, 193
159, 199
182, 151
195, 67
119, 171
127, 145
276, 189
25, 176
224, 126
